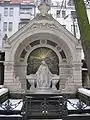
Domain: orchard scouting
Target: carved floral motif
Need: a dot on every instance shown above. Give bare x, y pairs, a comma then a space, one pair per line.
43, 25
44, 8
9, 67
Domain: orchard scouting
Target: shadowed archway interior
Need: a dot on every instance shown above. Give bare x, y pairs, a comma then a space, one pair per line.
40, 54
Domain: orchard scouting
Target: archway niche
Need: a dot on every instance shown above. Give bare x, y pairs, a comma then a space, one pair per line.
34, 52
42, 54
58, 40
35, 59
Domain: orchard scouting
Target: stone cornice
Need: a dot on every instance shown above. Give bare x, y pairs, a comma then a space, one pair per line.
42, 22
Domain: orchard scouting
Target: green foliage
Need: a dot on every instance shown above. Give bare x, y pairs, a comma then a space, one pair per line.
83, 21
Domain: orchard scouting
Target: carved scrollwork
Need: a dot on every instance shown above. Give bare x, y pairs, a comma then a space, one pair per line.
43, 41
43, 25
9, 67
77, 66
27, 47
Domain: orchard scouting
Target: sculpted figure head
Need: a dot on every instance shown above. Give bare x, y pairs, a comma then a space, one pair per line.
43, 62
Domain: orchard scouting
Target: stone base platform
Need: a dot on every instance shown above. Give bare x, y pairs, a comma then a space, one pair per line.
22, 95
43, 91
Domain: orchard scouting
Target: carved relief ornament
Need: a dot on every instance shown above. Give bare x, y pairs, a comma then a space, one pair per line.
9, 67
43, 25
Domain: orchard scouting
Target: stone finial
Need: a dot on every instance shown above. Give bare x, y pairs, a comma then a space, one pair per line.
5, 37
5, 40
44, 8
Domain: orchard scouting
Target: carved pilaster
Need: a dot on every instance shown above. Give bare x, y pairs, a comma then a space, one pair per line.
77, 74
21, 71
12, 80
66, 77
40, 25
8, 73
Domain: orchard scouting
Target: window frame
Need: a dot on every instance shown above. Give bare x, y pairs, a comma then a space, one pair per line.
4, 26
76, 28
73, 14
10, 26
5, 11
63, 13
11, 11
58, 13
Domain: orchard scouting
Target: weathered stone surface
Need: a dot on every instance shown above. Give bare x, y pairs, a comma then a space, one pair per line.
43, 28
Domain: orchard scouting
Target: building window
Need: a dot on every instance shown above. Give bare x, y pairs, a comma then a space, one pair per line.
5, 26
88, 2
74, 29
5, 11
73, 14
11, 10
25, 10
58, 13
64, 26
10, 26
63, 13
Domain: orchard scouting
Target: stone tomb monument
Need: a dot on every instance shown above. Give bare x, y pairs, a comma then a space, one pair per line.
43, 32
61, 62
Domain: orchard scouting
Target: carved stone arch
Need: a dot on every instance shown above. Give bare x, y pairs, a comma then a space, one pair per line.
24, 60
47, 34
48, 46
27, 49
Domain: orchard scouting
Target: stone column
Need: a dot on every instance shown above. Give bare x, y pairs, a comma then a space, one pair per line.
8, 75
8, 67
16, 83
21, 71
66, 78
62, 76
77, 74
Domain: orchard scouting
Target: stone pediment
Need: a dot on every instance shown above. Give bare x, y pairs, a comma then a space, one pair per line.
42, 22
37, 23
